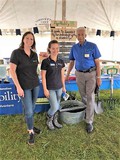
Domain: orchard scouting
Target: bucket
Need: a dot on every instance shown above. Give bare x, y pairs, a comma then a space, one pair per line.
3, 71
72, 111
6, 61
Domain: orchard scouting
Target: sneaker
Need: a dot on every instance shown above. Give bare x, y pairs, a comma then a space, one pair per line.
89, 127
36, 130
31, 139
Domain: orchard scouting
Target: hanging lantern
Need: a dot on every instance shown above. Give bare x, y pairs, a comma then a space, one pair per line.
98, 33
18, 32
112, 33
35, 30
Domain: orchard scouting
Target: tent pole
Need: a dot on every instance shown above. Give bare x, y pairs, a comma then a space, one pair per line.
55, 10
113, 50
63, 10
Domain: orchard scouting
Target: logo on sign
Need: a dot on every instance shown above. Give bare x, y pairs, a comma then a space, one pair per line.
9, 96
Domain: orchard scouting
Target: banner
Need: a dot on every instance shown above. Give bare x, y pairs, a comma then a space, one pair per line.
63, 24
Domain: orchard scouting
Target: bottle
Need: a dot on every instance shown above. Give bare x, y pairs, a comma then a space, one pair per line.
65, 96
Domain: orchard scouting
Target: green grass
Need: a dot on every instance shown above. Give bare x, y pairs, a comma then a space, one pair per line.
69, 143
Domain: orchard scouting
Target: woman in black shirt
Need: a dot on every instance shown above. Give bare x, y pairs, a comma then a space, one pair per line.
23, 69
52, 72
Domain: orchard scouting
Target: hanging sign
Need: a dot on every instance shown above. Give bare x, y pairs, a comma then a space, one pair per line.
43, 21
61, 34
63, 24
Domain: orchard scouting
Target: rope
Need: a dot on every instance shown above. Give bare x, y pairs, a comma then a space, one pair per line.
106, 14
2, 7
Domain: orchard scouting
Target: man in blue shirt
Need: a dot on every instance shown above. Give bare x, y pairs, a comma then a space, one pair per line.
85, 55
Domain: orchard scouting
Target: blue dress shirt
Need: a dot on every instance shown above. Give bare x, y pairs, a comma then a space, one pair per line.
84, 55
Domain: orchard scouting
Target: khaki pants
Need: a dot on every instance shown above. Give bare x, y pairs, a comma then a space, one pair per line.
86, 83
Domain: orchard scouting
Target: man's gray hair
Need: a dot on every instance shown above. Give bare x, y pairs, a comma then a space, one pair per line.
81, 28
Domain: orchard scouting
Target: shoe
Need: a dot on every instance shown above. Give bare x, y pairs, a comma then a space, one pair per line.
50, 122
31, 139
36, 130
89, 127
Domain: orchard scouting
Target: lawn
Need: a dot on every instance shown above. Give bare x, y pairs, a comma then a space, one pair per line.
69, 143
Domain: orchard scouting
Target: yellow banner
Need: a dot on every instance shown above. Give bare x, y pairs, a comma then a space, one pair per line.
63, 24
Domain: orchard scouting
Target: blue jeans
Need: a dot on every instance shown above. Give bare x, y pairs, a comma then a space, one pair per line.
54, 100
29, 100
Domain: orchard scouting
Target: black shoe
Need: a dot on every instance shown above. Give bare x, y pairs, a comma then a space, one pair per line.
36, 130
31, 139
89, 127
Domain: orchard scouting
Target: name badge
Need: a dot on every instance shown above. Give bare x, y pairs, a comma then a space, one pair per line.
34, 61
86, 55
52, 64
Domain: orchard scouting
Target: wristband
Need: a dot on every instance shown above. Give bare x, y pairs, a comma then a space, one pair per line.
98, 77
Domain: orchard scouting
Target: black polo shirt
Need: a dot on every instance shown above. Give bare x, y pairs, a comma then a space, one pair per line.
26, 68
53, 72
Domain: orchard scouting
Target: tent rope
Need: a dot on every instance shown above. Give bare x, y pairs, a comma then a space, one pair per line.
106, 14
2, 7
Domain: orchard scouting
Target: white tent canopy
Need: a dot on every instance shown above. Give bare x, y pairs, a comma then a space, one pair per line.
98, 14
94, 14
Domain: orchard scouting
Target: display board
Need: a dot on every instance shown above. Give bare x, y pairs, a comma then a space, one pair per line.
65, 48
65, 33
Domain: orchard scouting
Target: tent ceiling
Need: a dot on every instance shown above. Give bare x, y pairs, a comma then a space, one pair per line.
96, 14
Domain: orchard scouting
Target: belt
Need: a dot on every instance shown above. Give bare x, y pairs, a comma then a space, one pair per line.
88, 70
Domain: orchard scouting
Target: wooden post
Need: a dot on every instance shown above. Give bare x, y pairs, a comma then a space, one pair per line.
63, 10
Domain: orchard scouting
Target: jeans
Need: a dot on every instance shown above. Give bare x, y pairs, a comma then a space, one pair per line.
54, 100
29, 100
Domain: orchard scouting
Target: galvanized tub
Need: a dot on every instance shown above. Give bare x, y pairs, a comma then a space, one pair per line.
72, 112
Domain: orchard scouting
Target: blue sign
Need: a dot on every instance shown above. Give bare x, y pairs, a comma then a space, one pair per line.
10, 102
